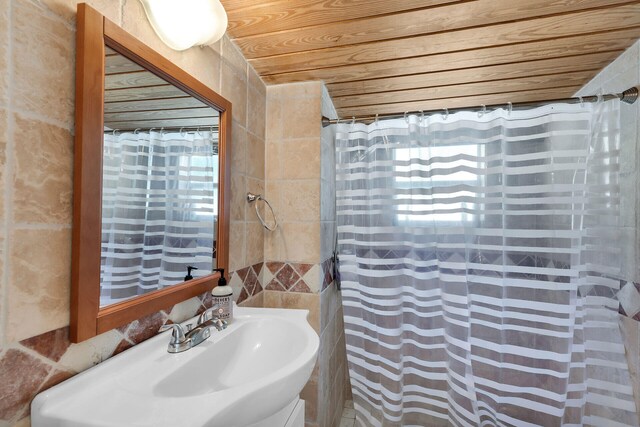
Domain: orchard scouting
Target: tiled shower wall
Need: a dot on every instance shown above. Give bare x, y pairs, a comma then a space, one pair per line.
620, 75
37, 65
292, 174
334, 386
300, 186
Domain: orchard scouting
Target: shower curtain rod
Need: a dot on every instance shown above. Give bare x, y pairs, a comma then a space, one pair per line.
629, 96
168, 128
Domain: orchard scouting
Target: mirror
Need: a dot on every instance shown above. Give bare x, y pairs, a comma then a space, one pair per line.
150, 181
159, 183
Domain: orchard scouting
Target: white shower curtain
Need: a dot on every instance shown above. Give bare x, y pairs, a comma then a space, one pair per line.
480, 260
159, 201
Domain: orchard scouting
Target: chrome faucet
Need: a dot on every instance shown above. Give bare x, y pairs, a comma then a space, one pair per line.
182, 341
179, 342
207, 320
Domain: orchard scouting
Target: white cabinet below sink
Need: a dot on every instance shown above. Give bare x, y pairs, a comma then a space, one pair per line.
296, 419
291, 415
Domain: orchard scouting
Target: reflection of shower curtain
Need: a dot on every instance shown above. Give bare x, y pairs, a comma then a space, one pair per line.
158, 202
480, 261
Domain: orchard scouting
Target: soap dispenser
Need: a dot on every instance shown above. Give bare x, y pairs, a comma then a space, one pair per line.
189, 276
223, 296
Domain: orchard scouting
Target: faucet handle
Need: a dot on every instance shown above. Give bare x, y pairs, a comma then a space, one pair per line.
177, 336
208, 314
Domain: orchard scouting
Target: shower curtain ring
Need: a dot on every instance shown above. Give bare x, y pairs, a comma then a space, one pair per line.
445, 115
182, 132
581, 101
376, 121
136, 131
483, 111
509, 107
421, 116
353, 120
406, 119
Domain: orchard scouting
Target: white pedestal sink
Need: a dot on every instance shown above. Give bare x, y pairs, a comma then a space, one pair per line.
240, 376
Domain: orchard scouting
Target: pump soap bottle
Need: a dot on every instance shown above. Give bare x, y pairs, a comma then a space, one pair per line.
189, 276
223, 296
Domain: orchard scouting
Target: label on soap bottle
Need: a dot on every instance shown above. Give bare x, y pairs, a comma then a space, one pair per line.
225, 311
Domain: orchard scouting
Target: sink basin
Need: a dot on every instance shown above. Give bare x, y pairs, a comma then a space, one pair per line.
239, 376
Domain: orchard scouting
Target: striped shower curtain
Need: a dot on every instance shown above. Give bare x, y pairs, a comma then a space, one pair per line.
480, 261
159, 204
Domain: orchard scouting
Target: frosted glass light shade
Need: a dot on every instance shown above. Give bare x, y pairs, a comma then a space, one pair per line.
186, 23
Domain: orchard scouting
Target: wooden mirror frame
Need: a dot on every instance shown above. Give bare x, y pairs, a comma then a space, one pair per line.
94, 32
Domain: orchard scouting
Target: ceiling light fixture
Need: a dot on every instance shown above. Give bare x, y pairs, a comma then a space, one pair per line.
186, 23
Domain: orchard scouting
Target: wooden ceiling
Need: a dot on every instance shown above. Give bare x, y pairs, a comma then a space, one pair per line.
385, 56
135, 98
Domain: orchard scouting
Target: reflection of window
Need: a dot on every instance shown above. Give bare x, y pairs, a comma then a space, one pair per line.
449, 166
201, 179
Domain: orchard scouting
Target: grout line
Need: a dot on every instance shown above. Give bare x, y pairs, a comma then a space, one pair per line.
8, 178
33, 116
35, 226
257, 136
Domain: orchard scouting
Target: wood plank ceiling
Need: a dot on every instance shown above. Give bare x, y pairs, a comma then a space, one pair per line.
135, 98
382, 56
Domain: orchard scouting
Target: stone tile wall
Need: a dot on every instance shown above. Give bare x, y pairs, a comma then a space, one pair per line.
327, 179
333, 379
334, 385
328, 387
37, 59
37, 66
246, 282
291, 277
293, 172
300, 186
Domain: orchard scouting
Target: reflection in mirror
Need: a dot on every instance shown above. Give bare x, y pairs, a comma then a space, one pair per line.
159, 186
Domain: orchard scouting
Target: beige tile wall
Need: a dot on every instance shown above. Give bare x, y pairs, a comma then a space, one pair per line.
334, 385
333, 379
327, 179
293, 189
293, 171
300, 185
37, 65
